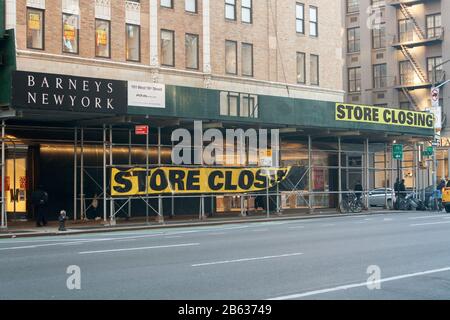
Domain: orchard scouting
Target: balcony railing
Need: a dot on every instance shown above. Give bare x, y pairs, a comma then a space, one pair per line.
413, 40
407, 2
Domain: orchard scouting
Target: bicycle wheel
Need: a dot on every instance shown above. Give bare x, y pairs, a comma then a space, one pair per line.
343, 207
356, 206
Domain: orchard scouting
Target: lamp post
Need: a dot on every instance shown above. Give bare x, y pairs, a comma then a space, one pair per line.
434, 80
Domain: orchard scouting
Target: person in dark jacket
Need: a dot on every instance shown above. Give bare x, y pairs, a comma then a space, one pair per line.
39, 199
402, 189
358, 190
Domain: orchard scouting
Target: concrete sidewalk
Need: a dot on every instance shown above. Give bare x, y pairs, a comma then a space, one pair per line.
29, 229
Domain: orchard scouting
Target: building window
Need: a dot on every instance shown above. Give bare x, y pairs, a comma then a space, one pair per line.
379, 37
354, 79
231, 57
247, 59
168, 48
313, 21
405, 30
378, 3
35, 28
133, 42
167, 3
435, 75
353, 40
380, 76
190, 6
406, 73
434, 26
314, 69
70, 25
301, 67
234, 104
246, 8
102, 38
300, 18
352, 6
191, 42
230, 9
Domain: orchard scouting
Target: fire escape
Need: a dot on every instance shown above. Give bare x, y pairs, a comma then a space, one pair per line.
418, 38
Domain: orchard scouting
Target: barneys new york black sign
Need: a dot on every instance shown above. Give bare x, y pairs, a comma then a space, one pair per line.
67, 93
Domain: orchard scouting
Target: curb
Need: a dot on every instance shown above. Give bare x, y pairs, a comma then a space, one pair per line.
186, 225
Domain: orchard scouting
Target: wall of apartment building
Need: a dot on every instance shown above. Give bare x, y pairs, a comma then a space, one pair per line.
367, 57
272, 34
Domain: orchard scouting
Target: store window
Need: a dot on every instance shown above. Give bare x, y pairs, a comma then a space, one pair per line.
70, 33
168, 48
102, 38
133, 42
35, 29
192, 51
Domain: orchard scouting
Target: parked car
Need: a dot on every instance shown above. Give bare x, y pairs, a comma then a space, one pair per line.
378, 197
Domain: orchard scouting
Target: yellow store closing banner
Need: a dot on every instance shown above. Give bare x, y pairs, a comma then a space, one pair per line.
179, 180
380, 115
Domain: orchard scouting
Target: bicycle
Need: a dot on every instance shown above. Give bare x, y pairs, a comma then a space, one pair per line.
350, 203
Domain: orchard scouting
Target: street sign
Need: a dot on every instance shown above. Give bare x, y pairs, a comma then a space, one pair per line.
435, 97
397, 151
141, 130
428, 152
437, 112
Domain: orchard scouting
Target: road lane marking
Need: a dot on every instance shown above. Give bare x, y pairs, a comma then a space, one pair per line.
216, 233
359, 285
388, 219
260, 230
141, 248
296, 227
428, 224
328, 225
173, 237
246, 259
428, 217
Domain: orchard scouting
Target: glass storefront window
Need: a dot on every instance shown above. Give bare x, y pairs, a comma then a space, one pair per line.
133, 42
102, 38
35, 29
70, 33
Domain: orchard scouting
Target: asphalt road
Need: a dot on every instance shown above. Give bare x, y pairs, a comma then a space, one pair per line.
303, 259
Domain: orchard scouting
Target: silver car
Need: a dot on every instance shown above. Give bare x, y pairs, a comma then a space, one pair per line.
378, 197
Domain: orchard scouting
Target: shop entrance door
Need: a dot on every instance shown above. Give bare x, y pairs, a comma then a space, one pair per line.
16, 182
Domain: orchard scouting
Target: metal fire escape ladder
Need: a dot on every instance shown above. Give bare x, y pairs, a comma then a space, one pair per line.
404, 9
414, 63
411, 99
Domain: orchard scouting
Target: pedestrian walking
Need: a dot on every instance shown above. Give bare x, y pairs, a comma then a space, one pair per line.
39, 199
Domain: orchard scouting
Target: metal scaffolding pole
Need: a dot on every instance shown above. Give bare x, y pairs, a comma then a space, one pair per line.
75, 178
385, 177
339, 171
129, 163
82, 213
112, 216
160, 203
367, 165
4, 222
105, 193
310, 174
146, 177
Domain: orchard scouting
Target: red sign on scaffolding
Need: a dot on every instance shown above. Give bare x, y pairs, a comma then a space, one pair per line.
141, 130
